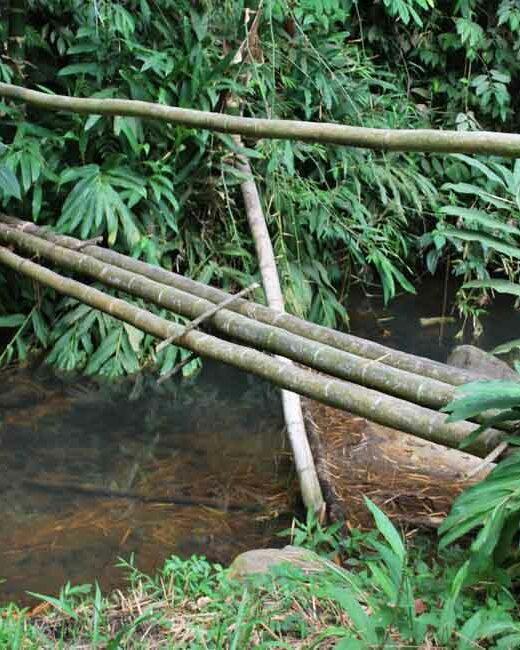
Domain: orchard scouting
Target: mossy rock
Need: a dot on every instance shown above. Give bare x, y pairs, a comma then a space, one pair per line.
482, 363
263, 560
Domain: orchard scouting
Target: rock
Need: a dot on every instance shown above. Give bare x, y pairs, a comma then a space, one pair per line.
258, 561
481, 363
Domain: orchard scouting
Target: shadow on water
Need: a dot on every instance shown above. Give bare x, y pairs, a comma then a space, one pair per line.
90, 473
399, 325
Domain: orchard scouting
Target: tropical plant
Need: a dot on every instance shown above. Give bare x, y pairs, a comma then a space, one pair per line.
392, 595
171, 195
478, 230
491, 507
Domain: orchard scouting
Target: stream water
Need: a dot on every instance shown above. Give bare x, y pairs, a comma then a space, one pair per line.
92, 472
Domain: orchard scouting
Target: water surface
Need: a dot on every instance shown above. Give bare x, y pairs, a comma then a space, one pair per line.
90, 473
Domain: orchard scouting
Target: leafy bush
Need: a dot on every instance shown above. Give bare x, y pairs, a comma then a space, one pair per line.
170, 195
491, 507
478, 229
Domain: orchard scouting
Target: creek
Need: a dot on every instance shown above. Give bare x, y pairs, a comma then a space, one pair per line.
92, 471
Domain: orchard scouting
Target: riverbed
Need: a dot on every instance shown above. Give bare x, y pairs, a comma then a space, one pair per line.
91, 472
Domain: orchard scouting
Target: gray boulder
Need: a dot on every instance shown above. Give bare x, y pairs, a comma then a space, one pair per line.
262, 560
483, 364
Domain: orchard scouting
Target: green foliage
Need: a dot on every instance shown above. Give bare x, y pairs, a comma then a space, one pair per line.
459, 58
479, 229
492, 507
171, 195
391, 595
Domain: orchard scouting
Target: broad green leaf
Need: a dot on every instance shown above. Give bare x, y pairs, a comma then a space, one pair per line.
506, 347
387, 529
478, 397
80, 68
475, 191
106, 350
14, 320
481, 167
481, 217
486, 240
57, 603
9, 185
361, 622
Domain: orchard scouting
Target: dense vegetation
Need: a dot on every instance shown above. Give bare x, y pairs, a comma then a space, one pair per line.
388, 596
337, 216
170, 195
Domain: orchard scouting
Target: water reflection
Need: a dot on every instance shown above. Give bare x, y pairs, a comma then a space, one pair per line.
89, 473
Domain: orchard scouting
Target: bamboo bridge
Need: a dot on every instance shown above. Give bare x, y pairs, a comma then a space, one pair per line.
385, 386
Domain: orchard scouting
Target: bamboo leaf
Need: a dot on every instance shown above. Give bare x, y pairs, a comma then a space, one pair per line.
9, 185
479, 216
501, 286
486, 240
387, 529
14, 320
506, 347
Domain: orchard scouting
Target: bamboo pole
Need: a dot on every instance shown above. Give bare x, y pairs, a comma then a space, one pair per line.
340, 340
346, 342
368, 403
422, 140
428, 392
291, 402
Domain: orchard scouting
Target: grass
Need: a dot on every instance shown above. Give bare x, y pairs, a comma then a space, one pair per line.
386, 595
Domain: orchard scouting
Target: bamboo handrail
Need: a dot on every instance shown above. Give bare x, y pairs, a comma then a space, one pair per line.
421, 140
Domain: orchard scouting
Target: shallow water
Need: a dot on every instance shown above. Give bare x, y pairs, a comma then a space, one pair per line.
70, 448
399, 325
90, 473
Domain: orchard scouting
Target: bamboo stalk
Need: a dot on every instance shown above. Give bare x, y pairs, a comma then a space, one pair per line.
343, 365
337, 363
340, 340
375, 406
291, 402
422, 140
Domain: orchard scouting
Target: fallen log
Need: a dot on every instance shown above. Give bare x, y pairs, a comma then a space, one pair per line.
421, 140
340, 340
337, 363
347, 396
356, 458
